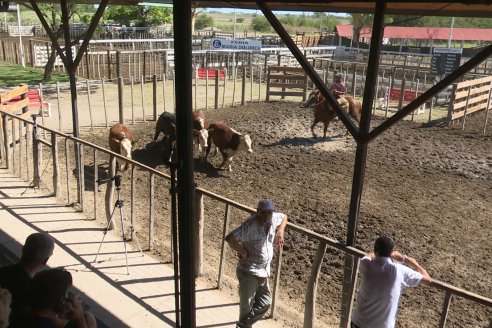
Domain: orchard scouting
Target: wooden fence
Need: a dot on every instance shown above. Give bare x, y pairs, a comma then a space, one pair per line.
469, 97
289, 79
22, 138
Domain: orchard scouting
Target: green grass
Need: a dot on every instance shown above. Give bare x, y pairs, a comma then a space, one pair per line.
13, 75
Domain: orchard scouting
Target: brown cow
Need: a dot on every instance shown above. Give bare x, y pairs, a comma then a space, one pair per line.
200, 132
325, 114
121, 142
228, 141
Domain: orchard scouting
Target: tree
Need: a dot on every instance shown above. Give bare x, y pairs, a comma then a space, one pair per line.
260, 24
52, 14
359, 21
138, 15
203, 20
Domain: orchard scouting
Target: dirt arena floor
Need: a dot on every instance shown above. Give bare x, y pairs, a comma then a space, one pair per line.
429, 187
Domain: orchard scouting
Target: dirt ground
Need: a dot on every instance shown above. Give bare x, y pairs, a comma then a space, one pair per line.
429, 187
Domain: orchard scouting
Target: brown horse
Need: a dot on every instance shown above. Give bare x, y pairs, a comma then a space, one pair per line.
325, 114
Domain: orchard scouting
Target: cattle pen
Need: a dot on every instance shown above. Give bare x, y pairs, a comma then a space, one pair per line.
21, 138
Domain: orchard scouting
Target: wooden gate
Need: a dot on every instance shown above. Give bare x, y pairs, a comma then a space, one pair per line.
291, 80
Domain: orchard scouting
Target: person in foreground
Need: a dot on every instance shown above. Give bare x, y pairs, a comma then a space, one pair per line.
16, 277
50, 306
254, 241
382, 282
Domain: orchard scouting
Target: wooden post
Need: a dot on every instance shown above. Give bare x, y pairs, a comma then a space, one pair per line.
466, 107
67, 168
225, 86
154, 96
310, 303
243, 87
14, 144
216, 105
144, 70
60, 121
56, 166
451, 104
6, 144
36, 154
132, 200
354, 79
120, 101
142, 83
402, 93
487, 108
96, 187
151, 210
223, 246
103, 86
21, 162
164, 91
31, 52
200, 215
268, 86
132, 98
89, 102
81, 175
109, 64
206, 88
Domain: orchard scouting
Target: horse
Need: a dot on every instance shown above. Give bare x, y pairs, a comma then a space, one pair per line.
325, 114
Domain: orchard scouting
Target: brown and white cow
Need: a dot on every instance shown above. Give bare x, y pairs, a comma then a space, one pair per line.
228, 141
200, 132
121, 142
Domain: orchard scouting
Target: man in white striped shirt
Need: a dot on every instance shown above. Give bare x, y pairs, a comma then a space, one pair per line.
254, 241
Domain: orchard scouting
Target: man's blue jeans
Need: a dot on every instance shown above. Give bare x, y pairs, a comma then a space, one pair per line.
254, 298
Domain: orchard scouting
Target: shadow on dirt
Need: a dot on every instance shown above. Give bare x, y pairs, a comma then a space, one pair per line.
303, 141
153, 154
208, 169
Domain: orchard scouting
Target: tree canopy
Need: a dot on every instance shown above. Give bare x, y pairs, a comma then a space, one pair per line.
138, 15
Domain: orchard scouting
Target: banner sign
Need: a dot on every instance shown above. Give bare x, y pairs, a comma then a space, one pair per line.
241, 45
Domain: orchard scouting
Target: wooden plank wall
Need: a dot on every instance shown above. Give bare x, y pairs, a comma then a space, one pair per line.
469, 97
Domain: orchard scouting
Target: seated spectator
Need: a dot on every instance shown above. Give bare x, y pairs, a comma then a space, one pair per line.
5, 300
49, 306
16, 277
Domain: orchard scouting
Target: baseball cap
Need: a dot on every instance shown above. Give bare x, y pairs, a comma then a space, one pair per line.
265, 205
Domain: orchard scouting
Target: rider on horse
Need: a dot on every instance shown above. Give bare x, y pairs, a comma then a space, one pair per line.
338, 90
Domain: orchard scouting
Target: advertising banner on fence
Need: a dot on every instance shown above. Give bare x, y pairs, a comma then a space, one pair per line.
240, 45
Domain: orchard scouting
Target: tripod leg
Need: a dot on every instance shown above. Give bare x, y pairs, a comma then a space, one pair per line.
132, 232
105, 232
124, 237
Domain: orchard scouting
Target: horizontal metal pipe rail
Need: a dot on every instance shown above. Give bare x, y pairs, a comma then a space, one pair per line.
449, 290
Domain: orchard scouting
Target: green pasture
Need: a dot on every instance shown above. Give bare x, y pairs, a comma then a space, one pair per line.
12, 75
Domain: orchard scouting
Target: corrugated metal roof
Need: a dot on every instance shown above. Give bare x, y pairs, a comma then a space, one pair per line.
435, 33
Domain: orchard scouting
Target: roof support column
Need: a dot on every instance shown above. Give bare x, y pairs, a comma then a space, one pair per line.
350, 267
184, 143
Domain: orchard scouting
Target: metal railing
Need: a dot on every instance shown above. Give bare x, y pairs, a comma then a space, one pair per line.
22, 133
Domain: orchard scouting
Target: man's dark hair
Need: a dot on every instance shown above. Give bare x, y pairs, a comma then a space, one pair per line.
48, 288
383, 246
37, 248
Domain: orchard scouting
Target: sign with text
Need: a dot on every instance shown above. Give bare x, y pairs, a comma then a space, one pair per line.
241, 45
445, 60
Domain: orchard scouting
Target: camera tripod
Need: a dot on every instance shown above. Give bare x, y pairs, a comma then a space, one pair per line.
118, 204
